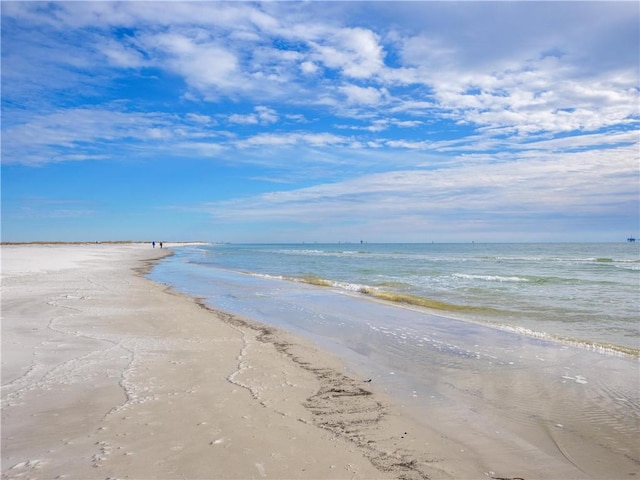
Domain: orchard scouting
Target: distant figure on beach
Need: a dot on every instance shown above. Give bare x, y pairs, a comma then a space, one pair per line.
160, 244
154, 244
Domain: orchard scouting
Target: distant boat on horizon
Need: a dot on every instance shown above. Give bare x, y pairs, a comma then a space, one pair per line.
631, 239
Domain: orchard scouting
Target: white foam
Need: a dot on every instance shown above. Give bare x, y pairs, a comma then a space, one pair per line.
490, 278
578, 379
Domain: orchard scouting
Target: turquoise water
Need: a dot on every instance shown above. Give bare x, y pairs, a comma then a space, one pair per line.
587, 293
492, 345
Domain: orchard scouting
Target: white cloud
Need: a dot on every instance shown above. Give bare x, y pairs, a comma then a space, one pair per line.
250, 119
132, 14
262, 115
428, 53
520, 104
199, 148
378, 126
461, 110
408, 123
296, 117
120, 55
309, 68
227, 49
201, 61
266, 115
276, 139
354, 51
421, 145
604, 140
361, 95
527, 186
90, 134
205, 119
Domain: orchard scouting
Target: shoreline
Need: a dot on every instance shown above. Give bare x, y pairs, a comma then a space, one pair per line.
107, 373
470, 387
101, 379
416, 303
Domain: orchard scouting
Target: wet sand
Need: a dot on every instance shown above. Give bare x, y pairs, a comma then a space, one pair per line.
106, 374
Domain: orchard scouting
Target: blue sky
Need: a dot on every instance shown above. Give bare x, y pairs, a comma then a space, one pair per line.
320, 121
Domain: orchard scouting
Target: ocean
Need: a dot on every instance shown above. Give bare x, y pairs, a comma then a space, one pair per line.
543, 339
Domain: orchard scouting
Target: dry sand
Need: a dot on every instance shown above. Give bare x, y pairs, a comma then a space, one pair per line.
106, 374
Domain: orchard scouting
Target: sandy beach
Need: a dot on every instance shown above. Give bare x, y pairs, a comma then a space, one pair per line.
106, 374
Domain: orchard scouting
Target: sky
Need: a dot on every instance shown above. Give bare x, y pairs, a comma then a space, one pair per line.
253, 122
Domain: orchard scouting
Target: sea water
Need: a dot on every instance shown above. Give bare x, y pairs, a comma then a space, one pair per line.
514, 344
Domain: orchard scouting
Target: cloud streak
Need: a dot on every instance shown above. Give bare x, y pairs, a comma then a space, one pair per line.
365, 111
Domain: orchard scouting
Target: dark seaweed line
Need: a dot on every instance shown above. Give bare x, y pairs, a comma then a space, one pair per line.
333, 408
